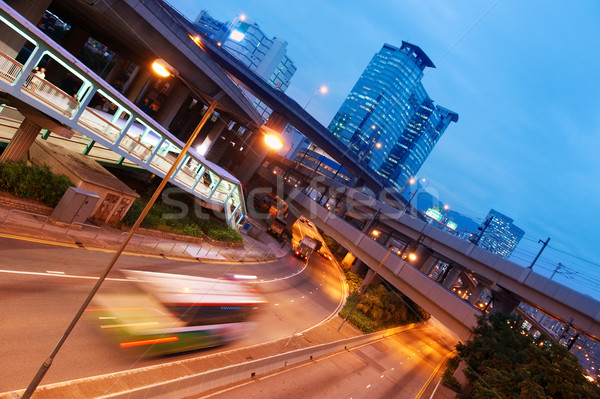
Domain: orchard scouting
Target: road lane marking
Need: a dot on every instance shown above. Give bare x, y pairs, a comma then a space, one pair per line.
59, 275
435, 371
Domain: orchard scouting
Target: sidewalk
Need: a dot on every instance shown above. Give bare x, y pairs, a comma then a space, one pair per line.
33, 225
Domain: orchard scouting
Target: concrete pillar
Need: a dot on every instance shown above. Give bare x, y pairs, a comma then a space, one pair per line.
451, 277
277, 122
371, 278
360, 267
504, 301
137, 84
254, 158
32, 10
290, 220
171, 105
428, 265
73, 42
21, 142
348, 259
476, 294
423, 254
204, 144
116, 70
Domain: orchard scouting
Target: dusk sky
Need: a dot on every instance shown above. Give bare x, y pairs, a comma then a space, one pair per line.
521, 75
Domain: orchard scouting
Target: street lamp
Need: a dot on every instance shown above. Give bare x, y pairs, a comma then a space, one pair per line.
241, 17
413, 181
163, 67
322, 89
272, 138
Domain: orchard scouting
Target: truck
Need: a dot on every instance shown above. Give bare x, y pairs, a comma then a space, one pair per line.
305, 247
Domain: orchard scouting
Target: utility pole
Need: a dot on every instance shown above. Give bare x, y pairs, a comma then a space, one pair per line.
539, 253
560, 266
481, 231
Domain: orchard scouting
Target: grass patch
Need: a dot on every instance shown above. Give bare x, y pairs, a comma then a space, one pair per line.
169, 219
379, 308
33, 182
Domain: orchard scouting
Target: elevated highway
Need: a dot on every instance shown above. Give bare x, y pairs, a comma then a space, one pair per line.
438, 294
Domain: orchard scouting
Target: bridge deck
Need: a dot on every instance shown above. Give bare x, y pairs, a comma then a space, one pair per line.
118, 125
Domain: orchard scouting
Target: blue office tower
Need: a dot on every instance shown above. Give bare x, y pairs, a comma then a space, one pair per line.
388, 119
501, 236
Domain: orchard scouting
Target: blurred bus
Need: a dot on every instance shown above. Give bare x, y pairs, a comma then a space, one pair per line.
172, 313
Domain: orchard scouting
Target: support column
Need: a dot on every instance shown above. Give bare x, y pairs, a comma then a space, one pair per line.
21, 142
171, 105
32, 10
451, 277
204, 144
116, 70
255, 156
476, 294
370, 274
360, 267
137, 85
347, 261
428, 265
73, 42
504, 301
423, 254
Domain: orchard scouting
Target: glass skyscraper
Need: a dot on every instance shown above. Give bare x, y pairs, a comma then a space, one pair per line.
246, 41
389, 105
501, 236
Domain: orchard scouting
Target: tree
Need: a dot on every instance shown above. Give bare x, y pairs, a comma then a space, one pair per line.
503, 362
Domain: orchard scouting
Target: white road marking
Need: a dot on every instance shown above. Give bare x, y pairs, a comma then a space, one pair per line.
59, 275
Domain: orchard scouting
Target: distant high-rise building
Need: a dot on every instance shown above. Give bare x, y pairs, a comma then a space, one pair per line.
388, 105
244, 39
501, 236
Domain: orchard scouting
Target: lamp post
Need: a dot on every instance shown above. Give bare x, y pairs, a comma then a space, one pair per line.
161, 67
413, 181
241, 17
322, 89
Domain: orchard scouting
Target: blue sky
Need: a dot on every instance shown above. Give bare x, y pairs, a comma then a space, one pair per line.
521, 75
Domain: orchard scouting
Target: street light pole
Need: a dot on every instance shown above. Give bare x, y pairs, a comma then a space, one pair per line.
323, 90
544, 243
241, 18
48, 362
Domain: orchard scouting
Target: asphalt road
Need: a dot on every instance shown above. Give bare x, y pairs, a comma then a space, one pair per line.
400, 366
42, 286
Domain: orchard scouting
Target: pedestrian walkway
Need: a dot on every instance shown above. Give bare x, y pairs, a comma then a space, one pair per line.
33, 225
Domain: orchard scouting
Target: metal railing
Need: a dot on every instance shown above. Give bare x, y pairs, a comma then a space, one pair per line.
111, 128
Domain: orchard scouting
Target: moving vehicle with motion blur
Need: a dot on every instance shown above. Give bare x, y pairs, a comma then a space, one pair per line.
169, 313
305, 247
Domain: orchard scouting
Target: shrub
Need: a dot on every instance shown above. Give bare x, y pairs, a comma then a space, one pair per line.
188, 225
448, 376
379, 308
33, 182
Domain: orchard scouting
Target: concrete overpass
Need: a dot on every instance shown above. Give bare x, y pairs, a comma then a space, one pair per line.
122, 127
478, 269
144, 28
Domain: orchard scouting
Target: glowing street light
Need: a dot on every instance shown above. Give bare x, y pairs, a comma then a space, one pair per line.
272, 138
322, 89
163, 69
237, 37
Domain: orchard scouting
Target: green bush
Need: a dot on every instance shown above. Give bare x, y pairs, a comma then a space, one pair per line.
379, 308
448, 376
33, 182
188, 225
